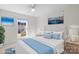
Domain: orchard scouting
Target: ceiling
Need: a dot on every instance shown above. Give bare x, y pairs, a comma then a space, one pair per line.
40, 9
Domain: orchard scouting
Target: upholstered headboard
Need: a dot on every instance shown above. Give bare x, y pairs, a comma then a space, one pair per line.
59, 27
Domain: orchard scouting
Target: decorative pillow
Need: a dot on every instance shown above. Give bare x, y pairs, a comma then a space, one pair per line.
57, 35
47, 35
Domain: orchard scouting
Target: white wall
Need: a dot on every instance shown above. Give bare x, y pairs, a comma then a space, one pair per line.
32, 26
43, 21
11, 32
71, 15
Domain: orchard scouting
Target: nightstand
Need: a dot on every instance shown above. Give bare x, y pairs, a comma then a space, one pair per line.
71, 47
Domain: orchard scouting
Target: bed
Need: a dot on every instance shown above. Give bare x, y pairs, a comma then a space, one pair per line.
56, 45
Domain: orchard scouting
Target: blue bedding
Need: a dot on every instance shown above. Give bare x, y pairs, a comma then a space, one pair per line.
39, 47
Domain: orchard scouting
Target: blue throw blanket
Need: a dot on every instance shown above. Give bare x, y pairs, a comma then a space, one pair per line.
39, 47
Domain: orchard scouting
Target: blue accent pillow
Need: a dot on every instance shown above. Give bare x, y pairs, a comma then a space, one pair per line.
47, 35
56, 35
53, 35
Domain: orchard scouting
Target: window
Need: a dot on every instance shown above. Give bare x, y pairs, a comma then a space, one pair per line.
22, 27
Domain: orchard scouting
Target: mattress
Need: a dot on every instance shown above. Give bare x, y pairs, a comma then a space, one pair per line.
39, 47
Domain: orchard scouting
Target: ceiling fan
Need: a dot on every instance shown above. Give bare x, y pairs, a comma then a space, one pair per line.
33, 6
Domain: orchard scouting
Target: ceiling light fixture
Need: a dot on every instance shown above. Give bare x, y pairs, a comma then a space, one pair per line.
33, 7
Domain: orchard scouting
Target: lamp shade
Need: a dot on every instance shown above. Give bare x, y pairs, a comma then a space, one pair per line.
74, 32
